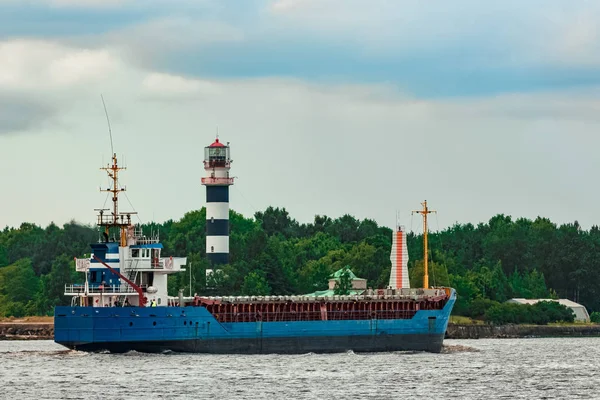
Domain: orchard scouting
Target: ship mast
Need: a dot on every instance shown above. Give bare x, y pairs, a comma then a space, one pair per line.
122, 220
424, 212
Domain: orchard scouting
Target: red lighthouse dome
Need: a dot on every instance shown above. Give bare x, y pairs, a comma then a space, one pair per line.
216, 143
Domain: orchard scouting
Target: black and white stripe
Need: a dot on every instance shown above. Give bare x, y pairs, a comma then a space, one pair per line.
217, 224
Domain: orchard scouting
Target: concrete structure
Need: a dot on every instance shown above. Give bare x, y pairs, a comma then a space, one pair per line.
581, 314
357, 283
217, 163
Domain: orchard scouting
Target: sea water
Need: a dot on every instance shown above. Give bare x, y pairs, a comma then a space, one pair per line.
466, 369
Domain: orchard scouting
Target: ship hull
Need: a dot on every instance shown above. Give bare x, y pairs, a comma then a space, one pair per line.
296, 345
195, 330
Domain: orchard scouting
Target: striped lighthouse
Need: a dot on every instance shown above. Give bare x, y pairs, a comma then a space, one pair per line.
217, 181
399, 258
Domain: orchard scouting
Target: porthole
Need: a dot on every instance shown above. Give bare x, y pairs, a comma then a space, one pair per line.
154, 323
131, 324
185, 322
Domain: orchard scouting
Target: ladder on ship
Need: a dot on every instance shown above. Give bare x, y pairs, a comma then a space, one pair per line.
132, 275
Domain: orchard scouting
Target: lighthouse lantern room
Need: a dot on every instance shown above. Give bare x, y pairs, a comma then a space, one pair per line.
217, 163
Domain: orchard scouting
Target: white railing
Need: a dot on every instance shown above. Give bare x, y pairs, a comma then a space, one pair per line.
106, 289
146, 240
146, 263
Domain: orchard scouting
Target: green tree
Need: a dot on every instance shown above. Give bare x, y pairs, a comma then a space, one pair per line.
438, 274
467, 291
53, 284
255, 284
277, 221
18, 288
188, 234
543, 312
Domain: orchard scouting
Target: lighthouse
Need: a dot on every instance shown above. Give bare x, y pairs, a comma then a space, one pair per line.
217, 163
399, 258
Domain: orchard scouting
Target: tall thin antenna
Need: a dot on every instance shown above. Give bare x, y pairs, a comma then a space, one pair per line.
109, 129
190, 279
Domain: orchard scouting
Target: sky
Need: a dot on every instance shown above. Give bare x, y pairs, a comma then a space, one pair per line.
330, 106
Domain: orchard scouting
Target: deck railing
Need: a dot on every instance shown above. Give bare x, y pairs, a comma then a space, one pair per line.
314, 316
139, 264
78, 289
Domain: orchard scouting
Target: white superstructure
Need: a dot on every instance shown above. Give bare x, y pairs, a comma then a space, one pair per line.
125, 267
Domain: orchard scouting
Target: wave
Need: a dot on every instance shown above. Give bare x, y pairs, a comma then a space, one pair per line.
457, 348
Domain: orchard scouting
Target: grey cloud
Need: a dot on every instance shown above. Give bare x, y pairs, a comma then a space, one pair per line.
19, 114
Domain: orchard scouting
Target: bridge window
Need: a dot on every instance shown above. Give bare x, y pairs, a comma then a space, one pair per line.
135, 253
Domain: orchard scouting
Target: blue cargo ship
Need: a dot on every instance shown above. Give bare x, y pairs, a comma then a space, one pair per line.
123, 305
195, 329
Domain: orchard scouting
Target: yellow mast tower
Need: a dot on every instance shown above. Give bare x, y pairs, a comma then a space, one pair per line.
424, 212
115, 219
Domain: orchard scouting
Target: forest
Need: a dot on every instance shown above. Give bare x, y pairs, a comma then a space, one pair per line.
272, 253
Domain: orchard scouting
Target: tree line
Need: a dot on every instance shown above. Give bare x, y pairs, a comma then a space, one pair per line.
272, 253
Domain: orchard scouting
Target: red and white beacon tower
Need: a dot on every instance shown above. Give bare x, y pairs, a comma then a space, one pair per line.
217, 163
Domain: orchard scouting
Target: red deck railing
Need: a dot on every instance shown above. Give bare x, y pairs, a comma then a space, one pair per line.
320, 311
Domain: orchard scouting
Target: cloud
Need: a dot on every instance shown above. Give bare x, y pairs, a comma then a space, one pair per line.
463, 48
36, 64
154, 41
331, 106
88, 3
304, 145
509, 33
42, 82
18, 114
578, 41
162, 86
68, 3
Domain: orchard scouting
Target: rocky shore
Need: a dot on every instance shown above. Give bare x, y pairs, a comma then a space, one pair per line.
26, 330
16, 330
459, 331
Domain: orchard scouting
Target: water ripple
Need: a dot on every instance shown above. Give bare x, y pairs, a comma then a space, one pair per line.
466, 370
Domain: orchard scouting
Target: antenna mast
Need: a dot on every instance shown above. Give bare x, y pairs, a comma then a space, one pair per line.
123, 220
112, 151
424, 212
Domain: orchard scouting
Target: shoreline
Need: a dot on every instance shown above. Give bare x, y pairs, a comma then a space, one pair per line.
44, 330
26, 330
474, 331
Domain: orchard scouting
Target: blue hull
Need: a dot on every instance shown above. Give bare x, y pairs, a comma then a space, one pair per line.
194, 329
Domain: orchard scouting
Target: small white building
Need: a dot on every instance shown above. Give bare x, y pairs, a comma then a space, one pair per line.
581, 314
